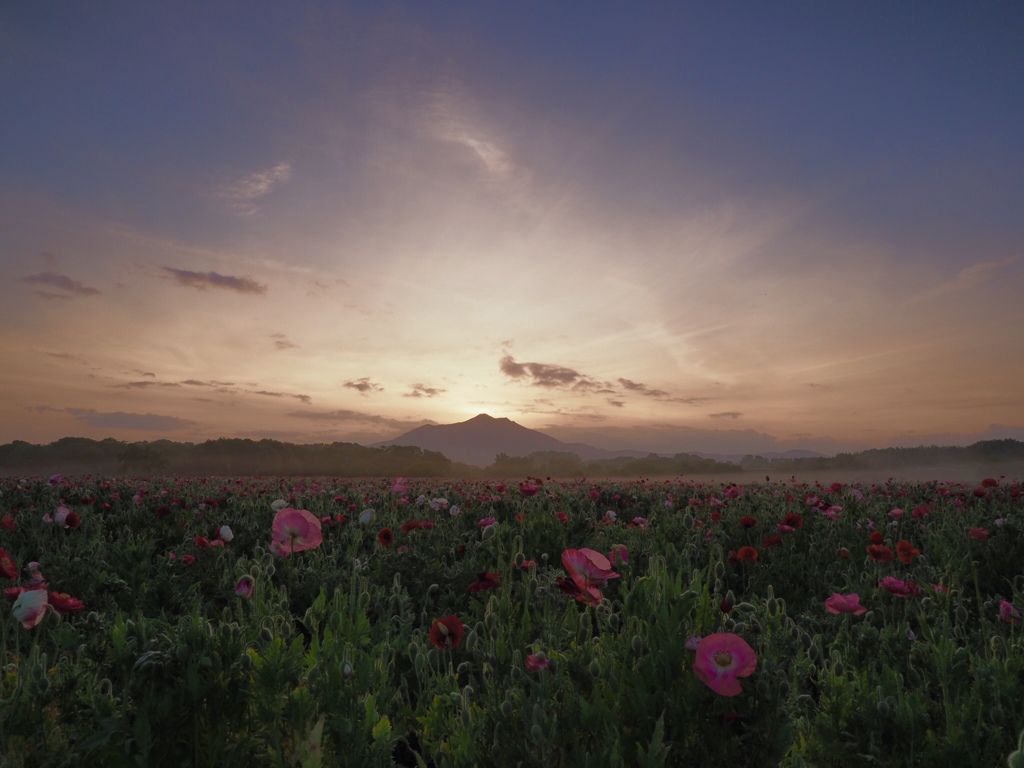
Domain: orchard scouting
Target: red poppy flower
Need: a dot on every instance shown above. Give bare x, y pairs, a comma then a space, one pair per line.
906, 551
876, 537
447, 633
426, 525
568, 586
7, 522
771, 541
73, 520
978, 534
748, 522
989, 482
879, 553
793, 520
564, 518
410, 525
63, 603
528, 489
485, 581
8, 568
747, 555
385, 537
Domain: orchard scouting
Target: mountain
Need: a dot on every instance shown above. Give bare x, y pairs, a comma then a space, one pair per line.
483, 437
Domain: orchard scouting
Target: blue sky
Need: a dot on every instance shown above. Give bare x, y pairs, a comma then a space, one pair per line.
782, 224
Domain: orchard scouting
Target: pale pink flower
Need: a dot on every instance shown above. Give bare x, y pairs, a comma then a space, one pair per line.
295, 530
721, 658
30, 607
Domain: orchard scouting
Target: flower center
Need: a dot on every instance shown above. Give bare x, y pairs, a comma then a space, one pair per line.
723, 658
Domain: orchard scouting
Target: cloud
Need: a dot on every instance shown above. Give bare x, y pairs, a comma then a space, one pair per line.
965, 278
356, 417
642, 389
241, 195
146, 384
281, 341
304, 398
550, 376
203, 280
363, 385
726, 415
212, 384
422, 390
617, 403
121, 420
71, 288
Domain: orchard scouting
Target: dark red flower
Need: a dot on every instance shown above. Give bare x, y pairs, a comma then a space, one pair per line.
447, 633
725, 605
747, 555
876, 537
771, 541
978, 534
793, 520
426, 525
528, 489
8, 568
73, 520
989, 482
568, 586
8, 523
385, 537
410, 525
879, 553
485, 581
564, 518
748, 522
906, 551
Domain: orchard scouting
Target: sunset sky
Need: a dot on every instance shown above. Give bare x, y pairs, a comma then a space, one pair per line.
736, 226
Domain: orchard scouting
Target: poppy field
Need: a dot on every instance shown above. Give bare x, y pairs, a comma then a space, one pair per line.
325, 622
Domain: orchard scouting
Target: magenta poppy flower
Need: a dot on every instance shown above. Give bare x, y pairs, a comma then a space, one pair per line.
1008, 613
845, 604
537, 662
295, 530
721, 658
619, 554
900, 588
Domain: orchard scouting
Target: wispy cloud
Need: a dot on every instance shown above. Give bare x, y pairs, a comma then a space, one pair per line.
642, 389
965, 278
422, 390
726, 415
281, 341
211, 384
203, 280
304, 398
69, 287
146, 384
342, 416
241, 195
121, 420
363, 386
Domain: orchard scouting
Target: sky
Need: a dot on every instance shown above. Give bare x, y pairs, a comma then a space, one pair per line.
734, 226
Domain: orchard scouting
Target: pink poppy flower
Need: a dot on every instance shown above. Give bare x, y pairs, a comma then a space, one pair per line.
562, 517
245, 586
483, 522
899, 588
30, 607
295, 530
537, 662
721, 658
845, 604
1008, 613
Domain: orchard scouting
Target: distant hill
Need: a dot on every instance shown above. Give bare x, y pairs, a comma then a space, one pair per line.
480, 439
770, 455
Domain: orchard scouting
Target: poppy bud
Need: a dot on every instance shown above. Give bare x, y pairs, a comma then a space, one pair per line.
638, 644
506, 708
595, 669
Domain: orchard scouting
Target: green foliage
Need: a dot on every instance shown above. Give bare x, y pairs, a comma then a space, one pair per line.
330, 661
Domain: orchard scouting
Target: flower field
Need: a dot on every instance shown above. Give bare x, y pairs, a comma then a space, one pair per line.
320, 622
